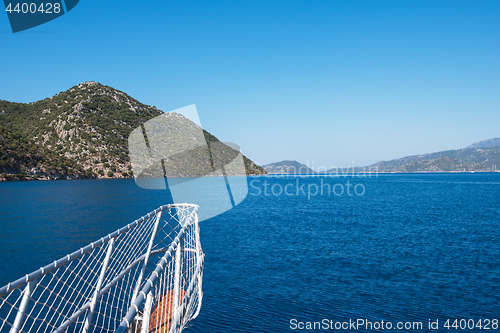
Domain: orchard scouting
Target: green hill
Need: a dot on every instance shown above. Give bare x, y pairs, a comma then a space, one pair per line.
78, 133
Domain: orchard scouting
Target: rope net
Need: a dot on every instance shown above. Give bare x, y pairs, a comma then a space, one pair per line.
144, 277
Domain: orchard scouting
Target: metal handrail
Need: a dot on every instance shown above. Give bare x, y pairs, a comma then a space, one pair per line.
58, 263
138, 298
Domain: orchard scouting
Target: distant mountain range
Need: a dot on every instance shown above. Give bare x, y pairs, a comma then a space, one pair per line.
81, 133
287, 167
482, 156
491, 143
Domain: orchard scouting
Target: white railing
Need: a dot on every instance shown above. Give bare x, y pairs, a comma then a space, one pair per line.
144, 277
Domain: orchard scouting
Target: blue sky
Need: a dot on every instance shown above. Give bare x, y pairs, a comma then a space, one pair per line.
329, 82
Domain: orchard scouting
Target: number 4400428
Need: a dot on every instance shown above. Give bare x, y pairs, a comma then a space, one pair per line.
485, 324
25, 8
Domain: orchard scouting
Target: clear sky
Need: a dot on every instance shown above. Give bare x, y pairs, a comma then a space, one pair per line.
334, 82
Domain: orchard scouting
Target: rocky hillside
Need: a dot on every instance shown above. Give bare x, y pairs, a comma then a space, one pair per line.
287, 167
78, 133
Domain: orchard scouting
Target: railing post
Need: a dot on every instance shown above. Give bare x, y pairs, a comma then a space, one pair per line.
23, 307
146, 259
147, 313
198, 264
90, 314
177, 285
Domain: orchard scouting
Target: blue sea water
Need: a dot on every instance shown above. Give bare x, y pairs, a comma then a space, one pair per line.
397, 248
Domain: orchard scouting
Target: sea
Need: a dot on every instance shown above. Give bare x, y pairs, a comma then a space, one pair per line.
347, 253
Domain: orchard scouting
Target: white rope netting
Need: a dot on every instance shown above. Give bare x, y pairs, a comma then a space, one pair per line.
144, 277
